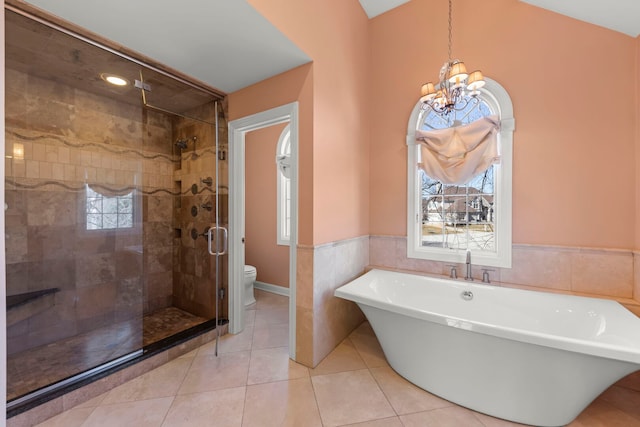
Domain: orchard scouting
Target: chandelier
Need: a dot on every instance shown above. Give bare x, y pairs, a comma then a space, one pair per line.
453, 86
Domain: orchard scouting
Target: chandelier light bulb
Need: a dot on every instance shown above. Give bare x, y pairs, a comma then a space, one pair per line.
453, 86
476, 81
428, 91
457, 72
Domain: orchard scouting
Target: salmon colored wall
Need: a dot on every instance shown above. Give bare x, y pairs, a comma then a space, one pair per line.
291, 86
638, 145
261, 249
574, 167
334, 33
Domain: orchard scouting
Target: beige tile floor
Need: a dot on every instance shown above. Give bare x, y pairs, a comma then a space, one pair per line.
253, 383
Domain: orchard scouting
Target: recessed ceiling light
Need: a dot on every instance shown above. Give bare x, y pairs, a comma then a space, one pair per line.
114, 80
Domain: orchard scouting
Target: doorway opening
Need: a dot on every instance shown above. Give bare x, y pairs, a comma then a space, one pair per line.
238, 130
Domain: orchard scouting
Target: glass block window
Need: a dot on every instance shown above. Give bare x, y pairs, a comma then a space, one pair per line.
108, 212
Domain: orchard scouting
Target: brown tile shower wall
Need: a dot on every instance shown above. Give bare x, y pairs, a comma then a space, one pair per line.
58, 141
195, 212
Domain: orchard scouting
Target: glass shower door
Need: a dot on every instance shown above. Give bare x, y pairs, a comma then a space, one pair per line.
74, 231
108, 206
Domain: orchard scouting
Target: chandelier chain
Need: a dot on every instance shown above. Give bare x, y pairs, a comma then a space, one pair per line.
455, 87
450, 6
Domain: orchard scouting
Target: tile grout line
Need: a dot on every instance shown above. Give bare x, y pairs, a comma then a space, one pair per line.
383, 392
309, 376
186, 374
85, 420
164, 419
315, 399
377, 382
244, 402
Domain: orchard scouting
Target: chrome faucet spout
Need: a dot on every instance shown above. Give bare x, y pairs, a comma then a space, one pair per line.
468, 275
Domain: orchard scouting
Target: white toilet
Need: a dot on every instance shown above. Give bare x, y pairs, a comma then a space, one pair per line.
249, 279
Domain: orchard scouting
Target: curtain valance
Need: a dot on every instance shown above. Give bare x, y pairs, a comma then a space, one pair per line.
108, 191
455, 155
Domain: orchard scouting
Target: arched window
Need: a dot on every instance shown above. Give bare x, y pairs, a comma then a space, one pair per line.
446, 220
283, 160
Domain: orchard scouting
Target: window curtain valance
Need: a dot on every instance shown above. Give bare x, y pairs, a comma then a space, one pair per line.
455, 155
110, 192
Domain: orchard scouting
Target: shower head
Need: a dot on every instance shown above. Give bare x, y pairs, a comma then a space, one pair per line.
182, 143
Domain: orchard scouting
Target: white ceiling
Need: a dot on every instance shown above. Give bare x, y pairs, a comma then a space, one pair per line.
229, 45
377, 7
225, 43
617, 15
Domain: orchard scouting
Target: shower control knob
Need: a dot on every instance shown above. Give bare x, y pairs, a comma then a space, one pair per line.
194, 234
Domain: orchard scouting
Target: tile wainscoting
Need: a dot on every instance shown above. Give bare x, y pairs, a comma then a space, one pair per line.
608, 273
323, 320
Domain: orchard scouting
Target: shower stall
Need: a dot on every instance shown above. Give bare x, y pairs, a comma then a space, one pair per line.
115, 180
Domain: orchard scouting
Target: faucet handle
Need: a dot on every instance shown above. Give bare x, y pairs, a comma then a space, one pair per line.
453, 273
485, 275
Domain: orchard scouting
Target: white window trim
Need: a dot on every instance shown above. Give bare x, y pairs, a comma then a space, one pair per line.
283, 205
499, 102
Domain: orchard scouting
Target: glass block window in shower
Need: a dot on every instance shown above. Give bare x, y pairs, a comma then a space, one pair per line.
106, 212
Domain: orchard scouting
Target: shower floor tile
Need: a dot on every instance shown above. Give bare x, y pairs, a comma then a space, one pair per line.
166, 322
35, 368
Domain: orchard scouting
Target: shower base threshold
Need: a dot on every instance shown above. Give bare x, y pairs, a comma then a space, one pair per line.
75, 389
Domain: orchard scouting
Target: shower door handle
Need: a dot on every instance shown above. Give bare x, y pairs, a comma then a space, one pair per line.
225, 239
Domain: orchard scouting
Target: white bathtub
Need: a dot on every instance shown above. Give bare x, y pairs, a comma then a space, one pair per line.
530, 357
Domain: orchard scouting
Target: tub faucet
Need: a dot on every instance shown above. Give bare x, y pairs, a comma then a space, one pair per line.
485, 275
453, 273
468, 276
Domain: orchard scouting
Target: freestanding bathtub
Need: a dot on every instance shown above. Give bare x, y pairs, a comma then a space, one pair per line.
530, 357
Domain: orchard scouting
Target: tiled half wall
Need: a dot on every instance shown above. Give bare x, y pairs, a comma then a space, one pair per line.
607, 273
324, 320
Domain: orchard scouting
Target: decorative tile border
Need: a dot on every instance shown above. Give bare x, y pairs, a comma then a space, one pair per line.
77, 188
100, 146
32, 184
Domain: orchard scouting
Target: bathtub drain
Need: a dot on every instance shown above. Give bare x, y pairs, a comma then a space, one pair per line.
467, 295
